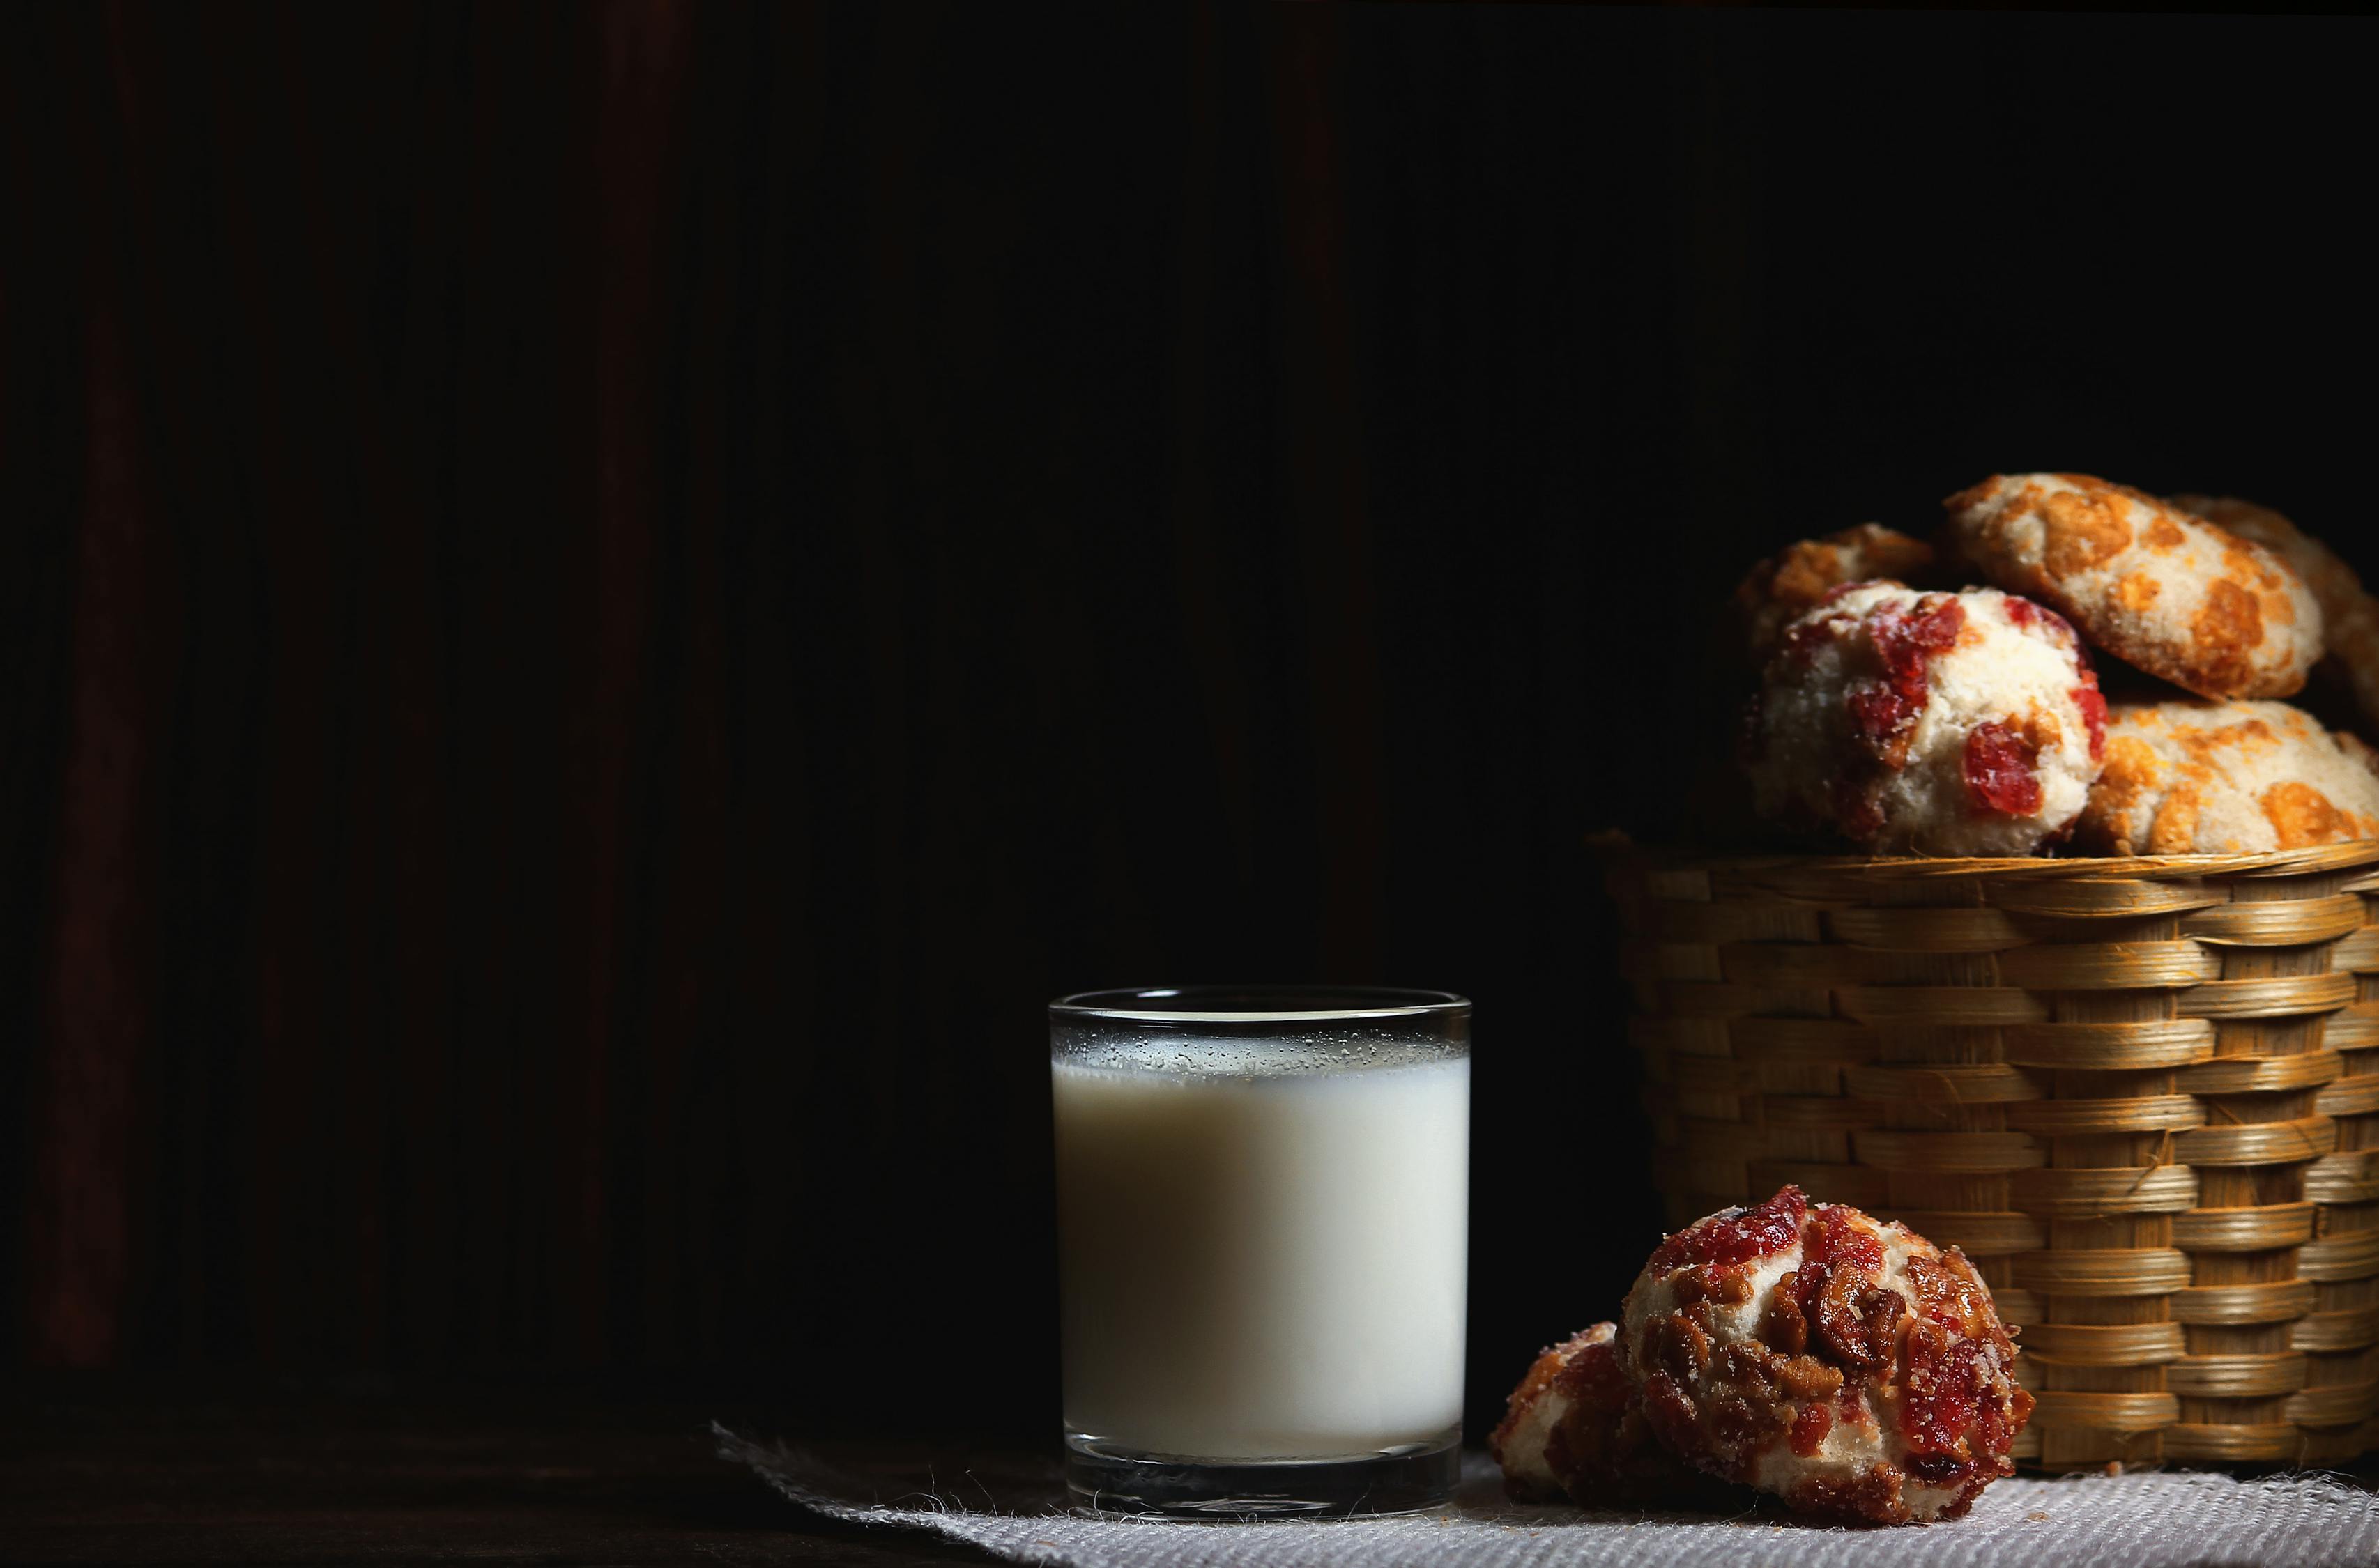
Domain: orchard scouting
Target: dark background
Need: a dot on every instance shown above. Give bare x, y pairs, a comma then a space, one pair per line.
602, 600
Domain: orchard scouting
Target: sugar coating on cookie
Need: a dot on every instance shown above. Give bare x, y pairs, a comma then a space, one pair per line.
1574, 1428
2151, 584
1789, 583
2237, 778
1943, 724
1846, 1365
2349, 616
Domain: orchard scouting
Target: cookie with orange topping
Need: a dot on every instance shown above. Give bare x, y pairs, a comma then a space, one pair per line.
1790, 583
1841, 1363
2145, 581
2349, 616
2241, 779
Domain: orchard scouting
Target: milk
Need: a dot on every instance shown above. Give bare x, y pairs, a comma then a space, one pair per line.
1261, 1246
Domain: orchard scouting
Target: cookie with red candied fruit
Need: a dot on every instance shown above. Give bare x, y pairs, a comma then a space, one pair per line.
1938, 724
1575, 1428
1789, 583
2156, 586
1841, 1363
2226, 779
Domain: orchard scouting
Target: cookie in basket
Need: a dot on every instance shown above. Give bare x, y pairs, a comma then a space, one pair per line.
1789, 583
2153, 585
2240, 779
1940, 724
2349, 616
1846, 1365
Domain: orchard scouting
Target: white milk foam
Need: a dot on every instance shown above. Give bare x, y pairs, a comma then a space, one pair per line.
1263, 1247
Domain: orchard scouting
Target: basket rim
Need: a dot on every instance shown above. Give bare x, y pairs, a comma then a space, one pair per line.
2108, 868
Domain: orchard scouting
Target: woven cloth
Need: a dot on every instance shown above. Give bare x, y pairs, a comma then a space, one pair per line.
2133, 1521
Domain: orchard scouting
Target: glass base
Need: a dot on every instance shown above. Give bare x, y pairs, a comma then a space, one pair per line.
1410, 1478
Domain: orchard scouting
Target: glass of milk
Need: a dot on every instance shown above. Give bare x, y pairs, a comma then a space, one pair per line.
1261, 1208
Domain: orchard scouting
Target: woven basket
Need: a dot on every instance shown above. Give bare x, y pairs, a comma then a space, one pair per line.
2142, 1094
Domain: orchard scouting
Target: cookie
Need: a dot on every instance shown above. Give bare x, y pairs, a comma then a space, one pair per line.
1789, 583
1574, 1429
2349, 616
2151, 584
1847, 1366
2237, 778
1940, 724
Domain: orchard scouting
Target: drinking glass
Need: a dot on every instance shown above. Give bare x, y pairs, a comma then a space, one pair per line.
1262, 1201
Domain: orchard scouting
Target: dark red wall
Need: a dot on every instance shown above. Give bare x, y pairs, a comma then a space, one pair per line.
601, 601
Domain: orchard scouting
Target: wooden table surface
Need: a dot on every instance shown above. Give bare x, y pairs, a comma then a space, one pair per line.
98, 1472
102, 1475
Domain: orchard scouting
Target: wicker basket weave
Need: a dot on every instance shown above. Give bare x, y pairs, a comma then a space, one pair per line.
2142, 1094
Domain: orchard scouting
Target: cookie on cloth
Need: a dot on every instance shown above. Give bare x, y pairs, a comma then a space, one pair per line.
2231, 778
2151, 584
1574, 1428
2349, 616
1789, 583
1846, 1365
1940, 724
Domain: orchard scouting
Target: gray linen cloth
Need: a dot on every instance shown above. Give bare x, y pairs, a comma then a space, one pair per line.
2134, 1521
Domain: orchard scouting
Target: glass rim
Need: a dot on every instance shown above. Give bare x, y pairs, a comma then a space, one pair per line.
1259, 1004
